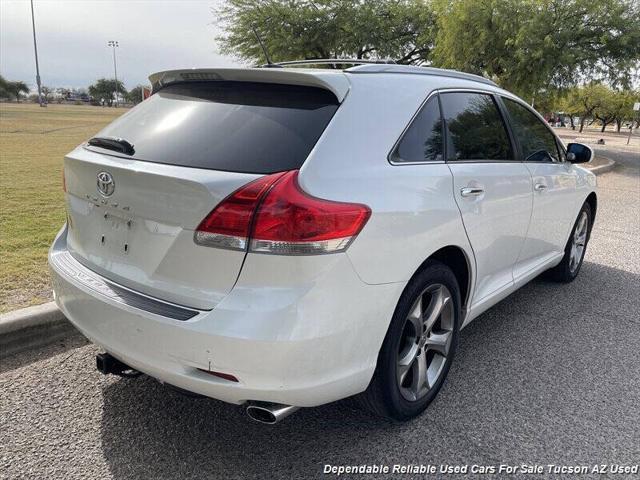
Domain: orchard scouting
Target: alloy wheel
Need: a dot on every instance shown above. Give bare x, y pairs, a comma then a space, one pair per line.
578, 242
425, 342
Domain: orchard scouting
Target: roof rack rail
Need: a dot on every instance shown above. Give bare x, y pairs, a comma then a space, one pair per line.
327, 61
383, 66
419, 70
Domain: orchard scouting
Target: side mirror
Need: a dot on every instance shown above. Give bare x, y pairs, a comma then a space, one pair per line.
579, 153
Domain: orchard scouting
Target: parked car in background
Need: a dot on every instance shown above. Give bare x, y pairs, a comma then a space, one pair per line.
288, 237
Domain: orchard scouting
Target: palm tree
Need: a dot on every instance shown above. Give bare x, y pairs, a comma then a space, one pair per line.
18, 88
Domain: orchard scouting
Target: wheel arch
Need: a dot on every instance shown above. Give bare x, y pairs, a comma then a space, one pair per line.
592, 201
460, 264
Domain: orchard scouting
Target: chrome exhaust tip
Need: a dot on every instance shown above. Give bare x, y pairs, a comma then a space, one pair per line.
269, 413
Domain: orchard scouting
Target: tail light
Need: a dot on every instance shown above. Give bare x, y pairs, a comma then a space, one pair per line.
291, 222
273, 215
227, 226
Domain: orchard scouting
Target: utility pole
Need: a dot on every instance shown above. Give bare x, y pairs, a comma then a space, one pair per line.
114, 44
35, 48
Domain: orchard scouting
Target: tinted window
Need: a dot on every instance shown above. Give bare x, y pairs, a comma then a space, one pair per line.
423, 139
475, 130
537, 142
233, 126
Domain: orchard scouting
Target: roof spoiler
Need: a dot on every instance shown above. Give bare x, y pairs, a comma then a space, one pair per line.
334, 81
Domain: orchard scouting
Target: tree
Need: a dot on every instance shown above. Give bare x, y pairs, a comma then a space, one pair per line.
599, 102
4, 88
105, 88
618, 108
570, 105
608, 110
306, 29
135, 95
17, 89
546, 101
62, 94
46, 93
527, 45
585, 101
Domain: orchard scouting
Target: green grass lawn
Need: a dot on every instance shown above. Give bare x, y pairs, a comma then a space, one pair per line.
33, 142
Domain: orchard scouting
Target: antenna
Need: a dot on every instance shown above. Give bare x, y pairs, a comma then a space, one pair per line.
264, 49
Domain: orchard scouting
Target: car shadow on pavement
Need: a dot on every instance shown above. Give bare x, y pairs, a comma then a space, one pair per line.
544, 376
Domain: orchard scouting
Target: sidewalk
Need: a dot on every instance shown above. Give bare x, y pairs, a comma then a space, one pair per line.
613, 140
600, 164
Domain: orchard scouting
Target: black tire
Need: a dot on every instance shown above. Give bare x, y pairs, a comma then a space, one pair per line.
563, 272
383, 397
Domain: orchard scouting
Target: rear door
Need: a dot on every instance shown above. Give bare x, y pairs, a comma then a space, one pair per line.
132, 216
554, 186
492, 188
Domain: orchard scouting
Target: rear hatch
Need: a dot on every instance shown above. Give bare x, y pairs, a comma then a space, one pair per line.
132, 215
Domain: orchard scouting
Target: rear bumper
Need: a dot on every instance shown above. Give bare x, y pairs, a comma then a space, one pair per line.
294, 330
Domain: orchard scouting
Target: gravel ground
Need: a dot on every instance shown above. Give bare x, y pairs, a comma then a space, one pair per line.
549, 376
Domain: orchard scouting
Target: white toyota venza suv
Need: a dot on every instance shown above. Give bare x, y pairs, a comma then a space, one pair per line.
287, 237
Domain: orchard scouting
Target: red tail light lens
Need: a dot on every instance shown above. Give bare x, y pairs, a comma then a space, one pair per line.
280, 218
227, 226
292, 222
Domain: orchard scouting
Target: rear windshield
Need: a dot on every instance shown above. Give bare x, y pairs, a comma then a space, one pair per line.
232, 126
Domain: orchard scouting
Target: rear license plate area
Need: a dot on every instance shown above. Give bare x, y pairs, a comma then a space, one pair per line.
115, 232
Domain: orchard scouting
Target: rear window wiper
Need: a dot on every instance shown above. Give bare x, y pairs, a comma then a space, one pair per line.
113, 143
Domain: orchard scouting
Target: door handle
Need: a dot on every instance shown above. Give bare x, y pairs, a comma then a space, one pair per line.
539, 187
471, 191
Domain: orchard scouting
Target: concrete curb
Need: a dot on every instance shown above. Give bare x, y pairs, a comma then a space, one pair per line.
40, 315
31, 327
606, 167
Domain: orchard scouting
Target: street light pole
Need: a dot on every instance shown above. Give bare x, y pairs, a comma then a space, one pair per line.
35, 48
114, 44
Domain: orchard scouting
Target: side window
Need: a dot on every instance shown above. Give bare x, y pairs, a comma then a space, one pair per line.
537, 142
475, 130
422, 142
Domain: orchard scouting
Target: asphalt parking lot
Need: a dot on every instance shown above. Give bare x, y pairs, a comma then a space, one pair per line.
549, 376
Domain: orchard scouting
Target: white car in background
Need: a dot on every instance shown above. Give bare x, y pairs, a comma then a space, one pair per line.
288, 237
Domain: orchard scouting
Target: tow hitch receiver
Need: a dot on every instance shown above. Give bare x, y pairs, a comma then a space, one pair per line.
108, 364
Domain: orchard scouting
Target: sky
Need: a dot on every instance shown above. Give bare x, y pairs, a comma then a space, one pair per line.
72, 37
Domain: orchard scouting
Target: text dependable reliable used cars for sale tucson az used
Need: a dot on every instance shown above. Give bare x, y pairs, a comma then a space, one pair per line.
286, 237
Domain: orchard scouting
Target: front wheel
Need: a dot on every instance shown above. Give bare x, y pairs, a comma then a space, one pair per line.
419, 346
567, 270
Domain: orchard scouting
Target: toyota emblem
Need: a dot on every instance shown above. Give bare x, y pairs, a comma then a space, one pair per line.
106, 185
